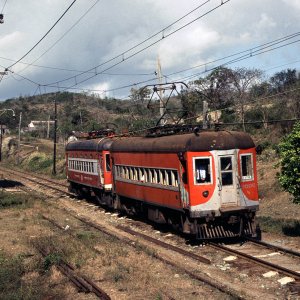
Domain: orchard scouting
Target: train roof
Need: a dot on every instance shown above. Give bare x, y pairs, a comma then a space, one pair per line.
194, 142
90, 145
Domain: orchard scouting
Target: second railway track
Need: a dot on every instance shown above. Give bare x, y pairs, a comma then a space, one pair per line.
62, 188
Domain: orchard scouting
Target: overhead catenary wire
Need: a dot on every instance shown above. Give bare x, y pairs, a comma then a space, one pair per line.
42, 38
3, 6
122, 55
135, 46
252, 52
190, 76
57, 41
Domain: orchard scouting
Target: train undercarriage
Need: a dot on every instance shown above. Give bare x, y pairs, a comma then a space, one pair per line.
230, 225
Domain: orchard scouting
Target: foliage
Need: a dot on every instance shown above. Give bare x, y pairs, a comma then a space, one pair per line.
11, 271
51, 260
289, 151
38, 162
283, 79
9, 200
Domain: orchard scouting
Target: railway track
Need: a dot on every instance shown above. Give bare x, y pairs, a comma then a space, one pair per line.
41, 181
258, 261
82, 283
201, 278
220, 287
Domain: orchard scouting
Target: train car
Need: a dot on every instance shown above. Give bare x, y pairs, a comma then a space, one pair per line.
204, 183
88, 168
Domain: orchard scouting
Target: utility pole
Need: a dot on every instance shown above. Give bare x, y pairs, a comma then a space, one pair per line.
54, 138
1, 128
205, 111
161, 104
19, 139
48, 128
1, 142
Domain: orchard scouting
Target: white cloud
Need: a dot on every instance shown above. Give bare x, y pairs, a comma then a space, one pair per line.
265, 22
293, 3
112, 27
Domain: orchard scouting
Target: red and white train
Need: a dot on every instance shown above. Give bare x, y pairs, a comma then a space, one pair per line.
203, 183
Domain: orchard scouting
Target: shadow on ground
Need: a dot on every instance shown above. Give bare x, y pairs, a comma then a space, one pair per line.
9, 183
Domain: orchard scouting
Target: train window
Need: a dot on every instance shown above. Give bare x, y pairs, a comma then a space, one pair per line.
246, 167
174, 180
145, 173
202, 170
135, 173
169, 177
150, 173
154, 176
139, 174
165, 177
226, 170
107, 160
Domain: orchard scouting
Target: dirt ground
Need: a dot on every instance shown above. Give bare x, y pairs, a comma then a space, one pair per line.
22, 226
275, 203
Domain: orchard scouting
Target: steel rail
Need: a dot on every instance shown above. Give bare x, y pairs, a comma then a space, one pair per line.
14, 172
39, 177
202, 278
274, 247
82, 283
258, 261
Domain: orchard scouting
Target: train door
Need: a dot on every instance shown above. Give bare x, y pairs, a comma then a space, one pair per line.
227, 181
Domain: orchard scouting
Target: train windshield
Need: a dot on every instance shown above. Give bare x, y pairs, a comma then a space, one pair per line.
107, 162
226, 170
202, 170
246, 167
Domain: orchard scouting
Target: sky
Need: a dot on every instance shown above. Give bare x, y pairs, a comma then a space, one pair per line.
107, 47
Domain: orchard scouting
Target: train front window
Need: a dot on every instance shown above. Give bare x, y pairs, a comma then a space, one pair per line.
246, 167
107, 162
202, 170
226, 170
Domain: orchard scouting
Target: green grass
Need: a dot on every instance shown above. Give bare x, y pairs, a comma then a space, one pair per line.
14, 287
8, 200
286, 227
11, 271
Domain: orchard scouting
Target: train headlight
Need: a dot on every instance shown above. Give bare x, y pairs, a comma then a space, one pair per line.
205, 194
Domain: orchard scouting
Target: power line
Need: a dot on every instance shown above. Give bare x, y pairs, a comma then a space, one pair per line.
43, 35
72, 70
122, 55
249, 54
3, 6
57, 41
185, 78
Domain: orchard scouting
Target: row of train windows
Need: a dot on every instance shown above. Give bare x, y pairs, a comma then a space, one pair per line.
148, 175
82, 166
85, 156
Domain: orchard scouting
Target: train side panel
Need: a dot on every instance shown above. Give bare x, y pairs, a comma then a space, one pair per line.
149, 177
84, 168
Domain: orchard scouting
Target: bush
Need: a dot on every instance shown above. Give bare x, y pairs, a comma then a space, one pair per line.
38, 162
289, 151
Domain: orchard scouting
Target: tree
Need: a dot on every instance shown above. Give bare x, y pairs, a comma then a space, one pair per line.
243, 79
289, 150
216, 88
283, 79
